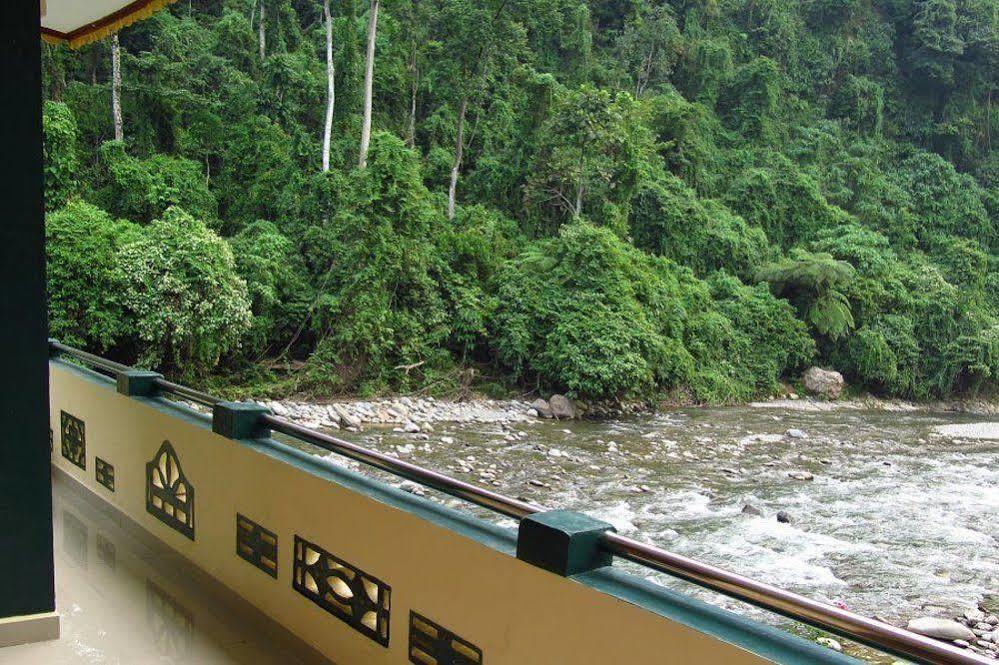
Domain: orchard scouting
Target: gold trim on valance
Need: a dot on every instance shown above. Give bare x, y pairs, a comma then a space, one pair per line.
124, 17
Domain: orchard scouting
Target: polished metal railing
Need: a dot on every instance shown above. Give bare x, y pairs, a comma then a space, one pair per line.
850, 625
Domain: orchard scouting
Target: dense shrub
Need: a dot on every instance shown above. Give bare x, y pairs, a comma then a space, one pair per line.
61, 163
85, 279
189, 303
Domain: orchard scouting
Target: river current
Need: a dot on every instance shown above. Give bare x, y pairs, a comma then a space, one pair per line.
887, 516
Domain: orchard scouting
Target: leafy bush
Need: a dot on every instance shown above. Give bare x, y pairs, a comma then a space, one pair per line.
61, 163
668, 219
143, 189
85, 279
278, 284
190, 304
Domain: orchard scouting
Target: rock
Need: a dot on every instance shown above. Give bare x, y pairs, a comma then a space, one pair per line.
825, 383
795, 434
347, 419
750, 509
543, 408
964, 644
410, 427
784, 517
941, 629
563, 408
800, 475
829, 642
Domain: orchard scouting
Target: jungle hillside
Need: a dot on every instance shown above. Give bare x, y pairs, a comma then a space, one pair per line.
613, 199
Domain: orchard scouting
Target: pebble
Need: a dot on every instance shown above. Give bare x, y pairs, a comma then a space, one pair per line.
830, 643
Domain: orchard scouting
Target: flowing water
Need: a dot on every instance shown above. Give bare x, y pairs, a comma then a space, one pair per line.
888, 517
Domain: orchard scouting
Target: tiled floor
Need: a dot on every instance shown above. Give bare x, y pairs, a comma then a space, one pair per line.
125, 599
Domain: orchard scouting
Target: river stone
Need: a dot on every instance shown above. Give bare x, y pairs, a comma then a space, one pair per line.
830, 643
941, 629
347, 419
784, 517
562, 407
542, 407
822, 382
750, 509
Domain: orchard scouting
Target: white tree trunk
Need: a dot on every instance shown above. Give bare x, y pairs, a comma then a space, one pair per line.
262, 29
330, 87
459, 146
369, 76
414, 89
119, 130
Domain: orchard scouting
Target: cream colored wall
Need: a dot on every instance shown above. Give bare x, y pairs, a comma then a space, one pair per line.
517, 614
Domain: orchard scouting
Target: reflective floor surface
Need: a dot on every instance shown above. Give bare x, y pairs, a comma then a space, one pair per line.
126, 599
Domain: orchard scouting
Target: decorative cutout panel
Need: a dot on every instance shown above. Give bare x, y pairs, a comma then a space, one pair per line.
257, 545
74, 440
350, 594
432, 644
169, 495
104, 473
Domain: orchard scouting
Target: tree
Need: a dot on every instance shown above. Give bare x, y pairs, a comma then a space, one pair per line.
330, 86
191, 306
119, 130
369, 82
814, 282
589, 160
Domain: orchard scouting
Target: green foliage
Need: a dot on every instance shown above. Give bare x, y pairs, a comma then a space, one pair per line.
143, 189
812, 281
587, 313
61, 163
381, 307
629, 170
668, 219
85, 280
190, 305
278, 284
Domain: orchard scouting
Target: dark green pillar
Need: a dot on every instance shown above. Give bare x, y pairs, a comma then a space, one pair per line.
26, 569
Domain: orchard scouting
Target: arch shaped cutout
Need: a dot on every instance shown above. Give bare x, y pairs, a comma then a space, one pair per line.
169, 494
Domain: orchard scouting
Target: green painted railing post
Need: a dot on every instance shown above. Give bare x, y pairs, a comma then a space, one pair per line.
138, 383
239, 420
562, 542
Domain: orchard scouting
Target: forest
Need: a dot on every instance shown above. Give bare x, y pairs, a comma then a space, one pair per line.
690, 200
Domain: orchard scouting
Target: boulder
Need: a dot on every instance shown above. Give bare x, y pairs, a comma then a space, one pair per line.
941, 629
750, 509
825, 383
347, 419
542, 407
784, 517
563, 408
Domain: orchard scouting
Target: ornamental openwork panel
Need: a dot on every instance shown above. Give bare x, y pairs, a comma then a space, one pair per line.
169, 495
257, 545
348, 593
432, 644
104, 473
73, 434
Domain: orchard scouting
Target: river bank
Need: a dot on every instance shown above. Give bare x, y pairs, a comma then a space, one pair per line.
425, 412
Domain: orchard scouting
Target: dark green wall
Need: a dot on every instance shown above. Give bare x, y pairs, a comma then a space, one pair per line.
26, 579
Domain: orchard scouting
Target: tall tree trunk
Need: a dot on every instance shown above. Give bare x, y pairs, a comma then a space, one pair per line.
330, 86
262, 30
369, 79
459, 146
119, 130
414, 88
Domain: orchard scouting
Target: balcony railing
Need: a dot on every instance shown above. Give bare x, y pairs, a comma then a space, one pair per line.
571, 545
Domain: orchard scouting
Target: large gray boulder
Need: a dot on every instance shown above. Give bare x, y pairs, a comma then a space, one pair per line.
825, 383
563, 408
941, 629
542, 407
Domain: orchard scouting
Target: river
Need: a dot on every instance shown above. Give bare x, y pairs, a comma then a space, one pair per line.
888, 517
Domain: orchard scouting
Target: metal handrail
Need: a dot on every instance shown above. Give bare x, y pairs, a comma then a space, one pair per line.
844, 623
